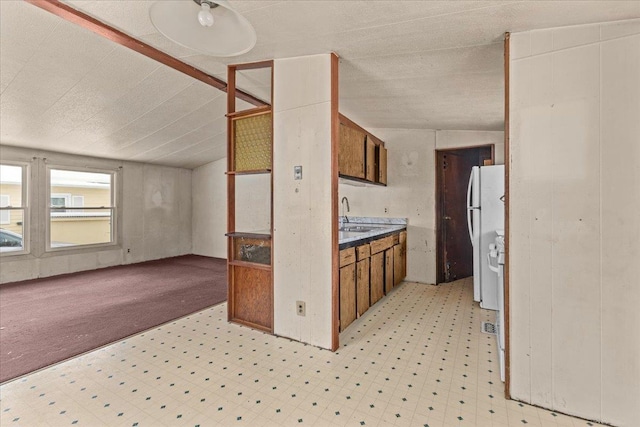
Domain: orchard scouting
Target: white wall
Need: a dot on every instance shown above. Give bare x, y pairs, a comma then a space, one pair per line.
410, 192
154, 212
574, 220
302, 209
210, 209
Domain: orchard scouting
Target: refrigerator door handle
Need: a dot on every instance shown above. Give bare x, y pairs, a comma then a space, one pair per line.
470, 207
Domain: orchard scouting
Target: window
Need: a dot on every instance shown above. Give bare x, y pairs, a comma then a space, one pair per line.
60, 200
12, 209
82, 208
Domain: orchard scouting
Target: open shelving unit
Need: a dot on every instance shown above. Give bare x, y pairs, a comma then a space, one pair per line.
250, 243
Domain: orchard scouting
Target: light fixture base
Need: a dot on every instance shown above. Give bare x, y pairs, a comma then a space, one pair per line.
211, 4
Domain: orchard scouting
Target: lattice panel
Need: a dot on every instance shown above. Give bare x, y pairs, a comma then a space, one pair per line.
253, 142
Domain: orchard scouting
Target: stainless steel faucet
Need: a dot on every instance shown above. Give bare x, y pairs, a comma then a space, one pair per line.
344, 199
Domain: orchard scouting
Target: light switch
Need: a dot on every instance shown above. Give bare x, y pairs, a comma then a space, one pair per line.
297, 172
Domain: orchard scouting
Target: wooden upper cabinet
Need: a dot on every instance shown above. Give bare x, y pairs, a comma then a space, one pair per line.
382, 165
359, 154
351, 157
370, 161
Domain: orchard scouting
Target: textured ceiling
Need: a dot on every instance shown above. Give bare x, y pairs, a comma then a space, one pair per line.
404, 64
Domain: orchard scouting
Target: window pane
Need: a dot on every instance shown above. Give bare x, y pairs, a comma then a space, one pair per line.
86, 227
10, 185
58, 202
93, 188
11, 232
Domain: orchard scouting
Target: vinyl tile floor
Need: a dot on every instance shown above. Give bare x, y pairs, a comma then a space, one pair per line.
417, 358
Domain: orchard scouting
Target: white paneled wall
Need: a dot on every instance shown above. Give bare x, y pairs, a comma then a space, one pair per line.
210, 209
154, 212
302, 208
575, 227
410, 192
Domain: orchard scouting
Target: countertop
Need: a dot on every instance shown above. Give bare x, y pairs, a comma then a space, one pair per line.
379, 228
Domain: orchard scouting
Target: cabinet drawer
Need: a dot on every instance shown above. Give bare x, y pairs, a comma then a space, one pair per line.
363, 252
381, 244
347, 256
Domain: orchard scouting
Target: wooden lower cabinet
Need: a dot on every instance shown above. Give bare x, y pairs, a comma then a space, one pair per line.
388, 270
363, 301
377, 277
397, 265
400, 259
347, 295
367, 273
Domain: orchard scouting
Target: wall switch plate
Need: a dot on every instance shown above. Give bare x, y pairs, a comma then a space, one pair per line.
301, 308
297, 172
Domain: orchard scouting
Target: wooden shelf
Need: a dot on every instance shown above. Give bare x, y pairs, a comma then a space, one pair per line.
250, 265
249, 235
250, 112
251, 172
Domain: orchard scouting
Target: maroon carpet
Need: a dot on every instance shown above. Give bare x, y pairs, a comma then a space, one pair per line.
44, 321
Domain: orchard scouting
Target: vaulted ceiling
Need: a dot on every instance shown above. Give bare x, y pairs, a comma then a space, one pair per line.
404, 64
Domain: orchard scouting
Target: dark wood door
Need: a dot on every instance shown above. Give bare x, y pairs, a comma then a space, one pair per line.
455, 253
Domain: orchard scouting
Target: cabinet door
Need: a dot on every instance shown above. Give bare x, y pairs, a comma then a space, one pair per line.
347, 295
362, 286
251, 297
370, 161
397, 265
388, 270
382, 165
403, 253
377, 277
351, 154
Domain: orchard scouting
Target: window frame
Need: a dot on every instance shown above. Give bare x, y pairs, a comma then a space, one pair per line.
113, 208
24, 207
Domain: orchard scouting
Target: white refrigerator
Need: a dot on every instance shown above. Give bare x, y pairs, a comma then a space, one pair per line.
485, 215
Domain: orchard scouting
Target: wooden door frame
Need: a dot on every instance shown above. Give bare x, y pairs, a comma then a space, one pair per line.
438, 207
507, 171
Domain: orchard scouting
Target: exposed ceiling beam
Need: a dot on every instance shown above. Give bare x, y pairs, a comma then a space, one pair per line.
77, 17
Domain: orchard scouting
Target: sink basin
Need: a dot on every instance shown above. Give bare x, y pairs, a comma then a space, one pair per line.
356, 228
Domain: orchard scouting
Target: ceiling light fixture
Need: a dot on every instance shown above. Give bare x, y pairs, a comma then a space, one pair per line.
208, 26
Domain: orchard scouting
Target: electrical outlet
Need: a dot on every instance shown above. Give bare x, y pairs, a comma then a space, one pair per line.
386, 210
128, 251
297, 172
301, 308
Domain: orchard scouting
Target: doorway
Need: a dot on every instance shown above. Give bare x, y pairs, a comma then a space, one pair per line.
454, 253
